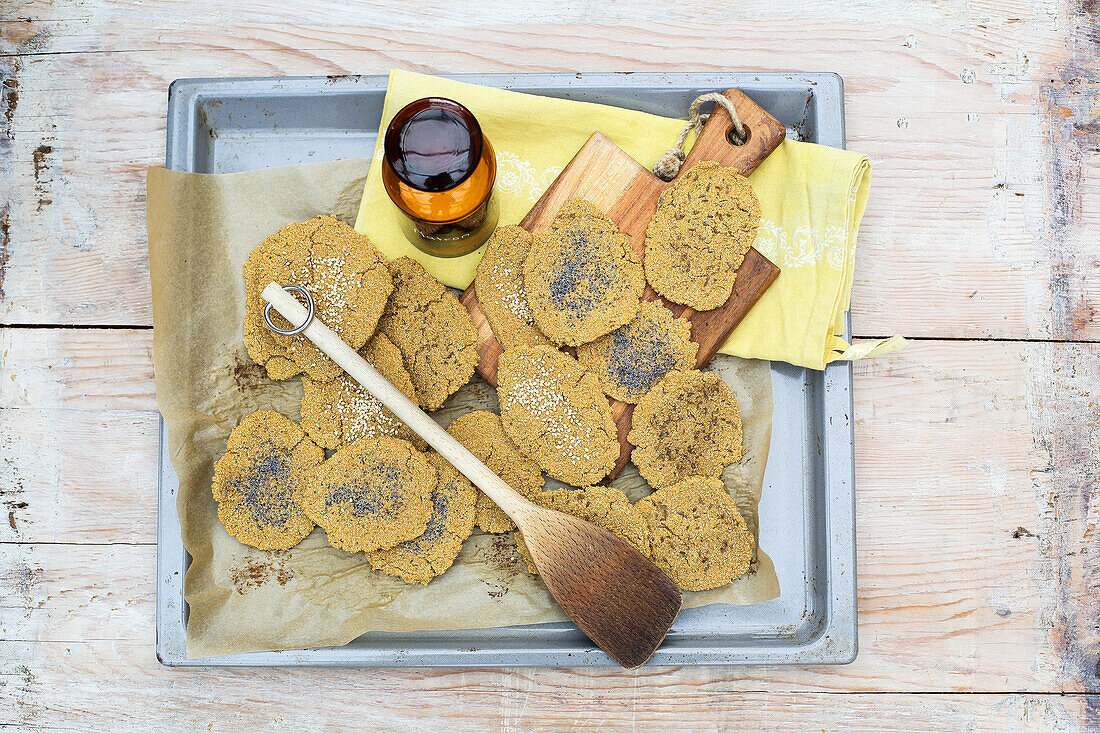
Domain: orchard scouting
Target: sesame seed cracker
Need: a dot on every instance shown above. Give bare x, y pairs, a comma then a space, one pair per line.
344, 273
552, 407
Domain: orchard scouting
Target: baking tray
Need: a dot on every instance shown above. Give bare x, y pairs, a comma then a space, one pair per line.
807, 513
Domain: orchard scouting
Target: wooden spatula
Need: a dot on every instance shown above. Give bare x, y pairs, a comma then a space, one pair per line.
621, 600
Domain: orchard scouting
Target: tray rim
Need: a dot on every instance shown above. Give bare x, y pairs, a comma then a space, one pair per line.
835, 642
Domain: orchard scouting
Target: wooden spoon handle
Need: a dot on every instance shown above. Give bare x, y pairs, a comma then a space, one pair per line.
507, 498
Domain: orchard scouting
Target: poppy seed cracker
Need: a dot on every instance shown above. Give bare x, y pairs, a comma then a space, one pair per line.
372, 494
429, 554
256, 483
634, 357
582, 277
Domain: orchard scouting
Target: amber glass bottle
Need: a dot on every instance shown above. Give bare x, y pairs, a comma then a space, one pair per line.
439, 169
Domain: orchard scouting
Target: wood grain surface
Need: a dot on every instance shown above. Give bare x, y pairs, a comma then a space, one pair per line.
976, 447
616, 184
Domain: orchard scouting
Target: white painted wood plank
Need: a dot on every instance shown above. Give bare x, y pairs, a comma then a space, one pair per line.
975, 514
63, 686
971, 230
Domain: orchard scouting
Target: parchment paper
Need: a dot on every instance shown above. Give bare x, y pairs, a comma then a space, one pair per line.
201, 228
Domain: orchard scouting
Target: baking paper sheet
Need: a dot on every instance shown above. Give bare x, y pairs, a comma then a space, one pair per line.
201, 228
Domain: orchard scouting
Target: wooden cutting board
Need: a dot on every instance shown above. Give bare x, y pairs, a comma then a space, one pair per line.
604, 175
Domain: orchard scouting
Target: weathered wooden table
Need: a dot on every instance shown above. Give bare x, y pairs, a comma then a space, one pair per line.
977, 448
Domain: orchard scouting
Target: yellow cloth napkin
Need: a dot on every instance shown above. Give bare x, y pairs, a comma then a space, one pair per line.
812, 198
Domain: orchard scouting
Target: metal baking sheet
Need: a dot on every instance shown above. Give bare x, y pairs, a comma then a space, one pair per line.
807, 513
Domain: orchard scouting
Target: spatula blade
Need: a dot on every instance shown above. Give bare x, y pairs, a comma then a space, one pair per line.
611, 591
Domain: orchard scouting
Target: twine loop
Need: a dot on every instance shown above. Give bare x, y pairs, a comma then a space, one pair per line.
668, 165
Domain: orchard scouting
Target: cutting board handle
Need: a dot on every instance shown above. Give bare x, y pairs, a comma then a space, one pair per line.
716, 141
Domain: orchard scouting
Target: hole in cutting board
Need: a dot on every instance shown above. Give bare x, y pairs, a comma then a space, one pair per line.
735, 139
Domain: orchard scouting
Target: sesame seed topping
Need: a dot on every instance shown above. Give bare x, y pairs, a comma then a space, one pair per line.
540, 394
333, 285
508, 279
362, 415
